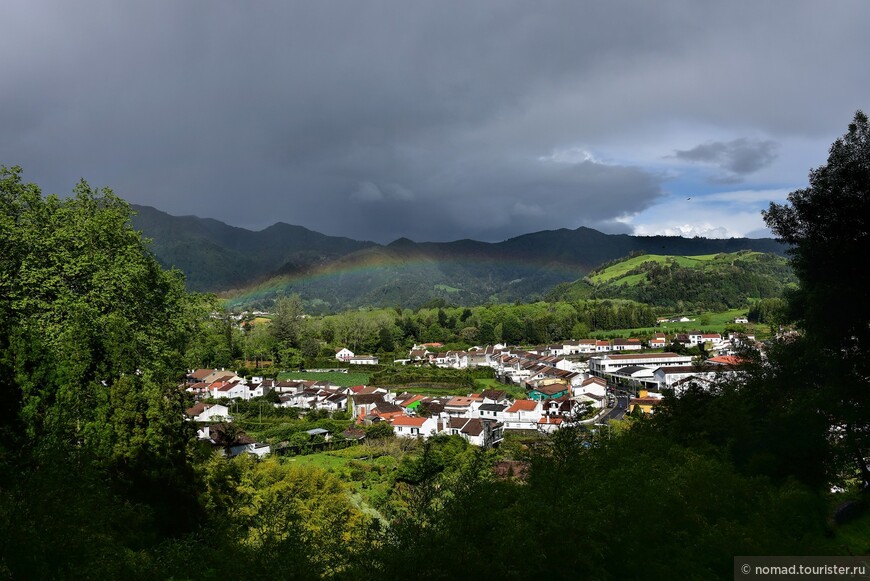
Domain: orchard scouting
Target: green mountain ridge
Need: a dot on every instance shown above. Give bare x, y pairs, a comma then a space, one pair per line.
334, 273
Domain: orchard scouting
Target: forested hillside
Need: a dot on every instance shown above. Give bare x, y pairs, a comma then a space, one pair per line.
215, 256
712, 282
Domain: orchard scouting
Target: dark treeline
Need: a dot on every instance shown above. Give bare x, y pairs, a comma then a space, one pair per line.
101, 478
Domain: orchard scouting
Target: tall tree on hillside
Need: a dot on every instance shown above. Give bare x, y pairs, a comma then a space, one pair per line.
826, 225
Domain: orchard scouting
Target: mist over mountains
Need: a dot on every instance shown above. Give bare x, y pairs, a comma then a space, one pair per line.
333, 273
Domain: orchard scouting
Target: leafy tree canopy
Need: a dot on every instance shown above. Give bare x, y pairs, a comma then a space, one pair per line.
827, 226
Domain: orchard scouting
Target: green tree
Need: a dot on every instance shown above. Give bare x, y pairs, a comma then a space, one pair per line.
386, 343
826, 226
379, 430
91, 301
287, 321
92, 336
259, 342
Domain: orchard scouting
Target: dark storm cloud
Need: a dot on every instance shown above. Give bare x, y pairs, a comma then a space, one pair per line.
495, 199
431, 120
738, 157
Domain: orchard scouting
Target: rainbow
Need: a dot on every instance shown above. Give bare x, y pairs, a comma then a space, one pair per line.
355, 269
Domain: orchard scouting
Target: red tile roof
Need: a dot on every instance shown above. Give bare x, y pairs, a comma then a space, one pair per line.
408, 421
645, 400
726, 360
460, 401
197, 409
524, 405
201, 373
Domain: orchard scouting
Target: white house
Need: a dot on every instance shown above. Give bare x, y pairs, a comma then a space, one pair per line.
667, 377
408, 427
626, 345
227, 390
523, 415
363, 360
604, 364
462, 407
209, 412
699, 338
581, 346
591, 386
344, 354
476, 431
550, 424
492, 411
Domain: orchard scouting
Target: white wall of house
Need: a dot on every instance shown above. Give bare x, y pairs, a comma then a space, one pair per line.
423, 431
214, 413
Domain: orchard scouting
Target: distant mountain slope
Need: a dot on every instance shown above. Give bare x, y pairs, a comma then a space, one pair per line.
713, 281
215, 256
331, 273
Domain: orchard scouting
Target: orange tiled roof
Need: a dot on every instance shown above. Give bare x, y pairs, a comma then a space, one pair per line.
522, 405
408, 421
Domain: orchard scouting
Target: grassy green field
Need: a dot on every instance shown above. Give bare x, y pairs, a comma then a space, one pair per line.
514, 391
630, 280
433, 391
367, 468
343, 379
621, 269
322, 460
713, 322
618, 273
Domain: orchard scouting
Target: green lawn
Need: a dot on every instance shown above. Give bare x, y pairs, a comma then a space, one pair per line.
320, 460
369, 470
631, 280
620, 270
514, 391
343, 379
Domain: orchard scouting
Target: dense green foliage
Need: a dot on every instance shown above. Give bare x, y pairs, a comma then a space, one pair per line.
592, 511
679, 283
827, 226
313, 340
92, 332
430, 377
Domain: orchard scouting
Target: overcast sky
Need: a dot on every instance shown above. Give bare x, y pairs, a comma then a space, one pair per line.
435, 120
